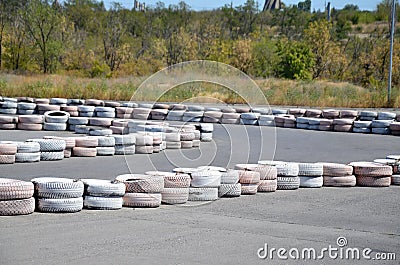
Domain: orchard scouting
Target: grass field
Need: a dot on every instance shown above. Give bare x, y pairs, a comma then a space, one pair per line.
277, 91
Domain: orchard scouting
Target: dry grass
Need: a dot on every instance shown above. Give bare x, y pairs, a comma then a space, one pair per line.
277, 91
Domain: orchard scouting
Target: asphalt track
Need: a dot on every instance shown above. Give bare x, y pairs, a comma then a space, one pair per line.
228, 231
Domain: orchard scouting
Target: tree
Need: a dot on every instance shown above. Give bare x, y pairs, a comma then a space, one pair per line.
43, 21
305, 6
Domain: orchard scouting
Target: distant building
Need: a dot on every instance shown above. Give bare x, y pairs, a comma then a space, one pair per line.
272, 4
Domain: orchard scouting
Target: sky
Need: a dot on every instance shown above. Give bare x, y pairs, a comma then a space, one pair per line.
210, 4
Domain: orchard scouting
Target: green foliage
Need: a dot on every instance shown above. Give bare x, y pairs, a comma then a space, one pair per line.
297, 60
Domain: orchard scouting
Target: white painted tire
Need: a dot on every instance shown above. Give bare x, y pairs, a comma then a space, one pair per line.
57, 188
51, 156
311, 182
230, 190
206, 179
65, 205
105, 151
175, 195
27, 157
56, 116
230, 177
103, 203
103, 188
203, 194
125, 149
311, 169
54, 126
50, 145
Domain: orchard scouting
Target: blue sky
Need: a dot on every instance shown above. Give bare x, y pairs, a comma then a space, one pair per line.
210, 4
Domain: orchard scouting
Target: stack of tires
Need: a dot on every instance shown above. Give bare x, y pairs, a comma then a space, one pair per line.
56, 120
212, 116
338, 175
8, 106
325, 125
230, 186
311, 175
27, 152
159, 112
249, 118
16, 197
302, 123
56, 195
73, 122
266, 120
105, 146
125, 144
85, 146
142, 190
105, 112
175, 115
297, 112
7, 152
343, 125
144, 143
173, 140
368, 115
86, 111
362, 126
204, 185
26, 108
248, 179
288, 175
8, 122
142, 113
123, 112
194, 114
50, 149
103, 194
72, 110
206, 132
30, 122
349, 114
230, 117
69, 144
119, 127
370, 174
268, 176
396, 169
394, 128
176, 187
59, 101
187, 138
382, 124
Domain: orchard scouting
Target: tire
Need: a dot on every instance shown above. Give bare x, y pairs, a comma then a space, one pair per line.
311, 169
129, 139
54, 126
58, 188
28, 147
196, 143
119, 130
7, 159
206, 136
86, 108
12, 189
105, 141
30, 126
395, 180
17, 207
99, 131
381, 123
371, 169
105, 151
86, 141
8, 111
125, 149
27, 157
206, 179
337, 170
287, 169
103, 203
94, 102
104, 122
249, 122
103, 188
175, 195
172, 180
67, 153
105, 114
86, 114
267, 185
142, 200
69, 141
361, 130
143, 140
8, 148
249, 116
384, 131
8, 126
266, 123
173, 137
78, 120
174, 145
345, 181
365, 181
311, 181
50, 145
386, 115
58, 101
230, 190
249, 189
230, 177
56, 116
38, 119
84, 151
8, 119
65, 205
42, 101
203, 194
266, 171
342, 128
137, 183
51, 156
26, 106
288, 183
144, 149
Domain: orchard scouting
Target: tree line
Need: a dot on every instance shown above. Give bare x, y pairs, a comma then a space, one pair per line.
84, 38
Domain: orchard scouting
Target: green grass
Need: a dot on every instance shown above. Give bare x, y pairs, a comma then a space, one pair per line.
277, 91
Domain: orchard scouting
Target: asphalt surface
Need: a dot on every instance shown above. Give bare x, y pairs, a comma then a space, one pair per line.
227, 231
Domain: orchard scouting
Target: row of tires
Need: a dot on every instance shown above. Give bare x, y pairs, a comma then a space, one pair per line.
207, 183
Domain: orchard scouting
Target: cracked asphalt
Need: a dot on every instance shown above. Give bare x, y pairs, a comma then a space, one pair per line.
227, 231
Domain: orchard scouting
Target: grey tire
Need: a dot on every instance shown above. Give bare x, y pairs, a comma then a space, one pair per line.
288, 183
230, 190
203, 194
105, 151
51, 156
54, 126
27, 157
